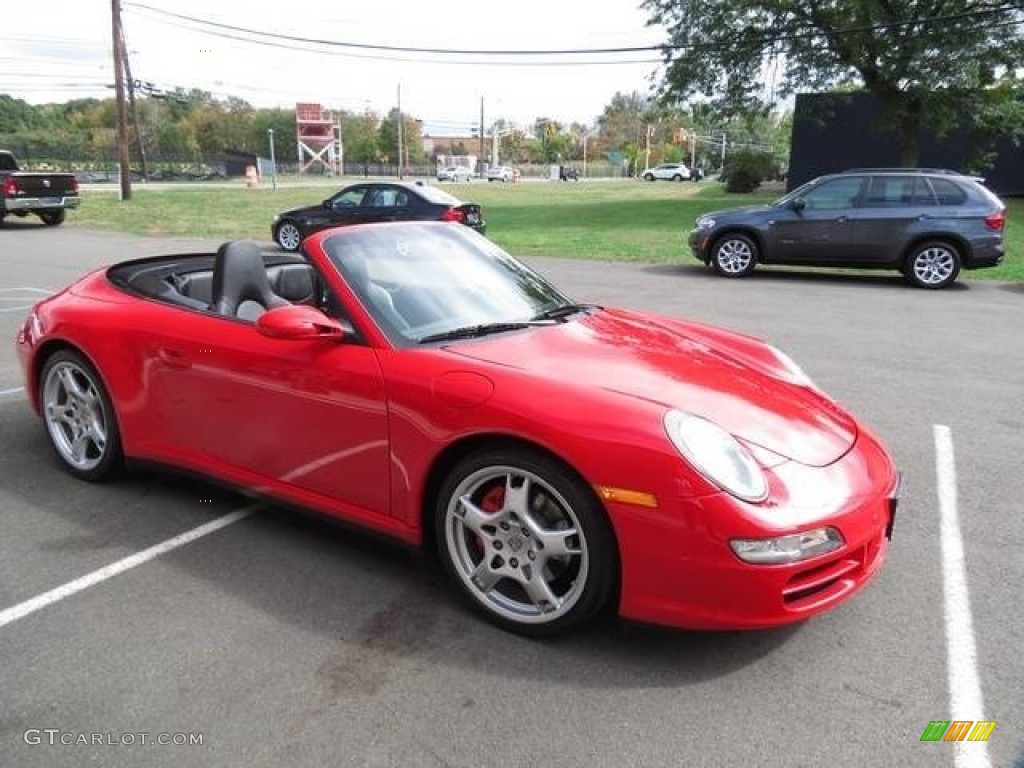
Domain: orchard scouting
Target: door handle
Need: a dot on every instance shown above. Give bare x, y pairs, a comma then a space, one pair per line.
842, 219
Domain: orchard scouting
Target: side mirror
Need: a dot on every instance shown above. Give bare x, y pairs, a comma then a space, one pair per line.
798, 204
328, 204
298, 322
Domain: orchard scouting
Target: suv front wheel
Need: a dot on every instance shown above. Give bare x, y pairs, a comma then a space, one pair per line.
734, 255
933, 264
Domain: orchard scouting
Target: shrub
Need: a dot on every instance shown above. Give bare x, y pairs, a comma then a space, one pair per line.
748, 169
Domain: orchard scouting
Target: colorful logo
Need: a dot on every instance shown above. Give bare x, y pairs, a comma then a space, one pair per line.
958, 730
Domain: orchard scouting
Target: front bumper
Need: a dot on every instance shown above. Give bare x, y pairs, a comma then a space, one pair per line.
678, 569
698, 241
13, 204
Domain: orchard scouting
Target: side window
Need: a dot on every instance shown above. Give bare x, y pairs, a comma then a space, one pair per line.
349, 198
889, 191
834, 194
947, 192
923, 194
401, 198
382, 198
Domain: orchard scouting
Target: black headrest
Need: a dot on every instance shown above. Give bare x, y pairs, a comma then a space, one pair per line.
239, 275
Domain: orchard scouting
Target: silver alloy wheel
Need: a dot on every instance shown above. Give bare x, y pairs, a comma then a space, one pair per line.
289, 237
526, 560
75, 416
934, 265
734, 256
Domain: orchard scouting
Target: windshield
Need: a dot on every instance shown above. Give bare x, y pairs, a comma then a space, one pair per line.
424, 279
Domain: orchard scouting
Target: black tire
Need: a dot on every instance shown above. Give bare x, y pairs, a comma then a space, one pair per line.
538, 565
677, 177
734, 255
288, 236
53, 218
933, 264
79, 417
648, 177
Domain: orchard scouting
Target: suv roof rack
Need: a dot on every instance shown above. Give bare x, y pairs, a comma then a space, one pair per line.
944, 171
934, 171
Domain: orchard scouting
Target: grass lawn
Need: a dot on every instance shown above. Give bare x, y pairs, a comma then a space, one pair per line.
604, 220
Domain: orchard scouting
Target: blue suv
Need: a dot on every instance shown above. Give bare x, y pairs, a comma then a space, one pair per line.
929, 224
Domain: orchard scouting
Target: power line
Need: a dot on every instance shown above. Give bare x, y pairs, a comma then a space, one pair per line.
391, 48
977, 13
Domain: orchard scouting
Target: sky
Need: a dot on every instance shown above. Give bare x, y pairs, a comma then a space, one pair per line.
61, 50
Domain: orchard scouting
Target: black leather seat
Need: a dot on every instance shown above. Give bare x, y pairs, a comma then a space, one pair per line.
241, 287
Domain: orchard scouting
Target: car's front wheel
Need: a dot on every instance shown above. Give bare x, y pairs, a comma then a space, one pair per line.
734, 255
288, 236
677, 177
526, 540
79, 417
934, 264
52, 218
648, 177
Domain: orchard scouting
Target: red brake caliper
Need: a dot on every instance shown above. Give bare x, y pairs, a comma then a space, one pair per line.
492, 502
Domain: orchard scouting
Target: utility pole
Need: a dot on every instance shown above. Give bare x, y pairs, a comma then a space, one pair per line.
400, 145
123, 158
131, 103
480, 159
647, 147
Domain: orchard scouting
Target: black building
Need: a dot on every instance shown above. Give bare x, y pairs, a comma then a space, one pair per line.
836, 131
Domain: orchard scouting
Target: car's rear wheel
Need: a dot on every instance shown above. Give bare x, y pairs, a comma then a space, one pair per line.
933, 264
79, 417
52, 218
734, 255
526, 540
288, 236
648, 177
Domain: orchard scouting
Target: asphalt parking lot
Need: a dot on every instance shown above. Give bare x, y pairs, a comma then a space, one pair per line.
282, 640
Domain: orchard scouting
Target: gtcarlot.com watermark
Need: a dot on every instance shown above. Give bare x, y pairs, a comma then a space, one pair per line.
57, 737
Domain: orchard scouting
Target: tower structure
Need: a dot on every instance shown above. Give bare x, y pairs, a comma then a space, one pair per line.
318, 135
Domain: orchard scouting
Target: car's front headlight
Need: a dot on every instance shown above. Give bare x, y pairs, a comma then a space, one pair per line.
705, 222
717, 455
277, 218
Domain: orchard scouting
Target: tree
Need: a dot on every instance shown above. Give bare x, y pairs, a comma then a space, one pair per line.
928, 63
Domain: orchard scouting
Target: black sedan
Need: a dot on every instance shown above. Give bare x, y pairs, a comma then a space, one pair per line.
375, 201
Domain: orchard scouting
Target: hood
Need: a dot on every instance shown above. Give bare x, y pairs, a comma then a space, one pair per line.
305, 212
721, 376
741, 212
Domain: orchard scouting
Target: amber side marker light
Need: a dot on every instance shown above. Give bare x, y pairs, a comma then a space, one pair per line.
625, 496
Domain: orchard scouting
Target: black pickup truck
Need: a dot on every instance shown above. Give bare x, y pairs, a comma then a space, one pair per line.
47, 195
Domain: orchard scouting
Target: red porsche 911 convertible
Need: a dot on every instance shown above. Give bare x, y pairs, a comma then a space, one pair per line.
415, 379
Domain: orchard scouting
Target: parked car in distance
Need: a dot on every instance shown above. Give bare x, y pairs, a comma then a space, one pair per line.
500, 173
375, 201
667, 172
454, 173
928, 224
416, 380
568, 173
46, 195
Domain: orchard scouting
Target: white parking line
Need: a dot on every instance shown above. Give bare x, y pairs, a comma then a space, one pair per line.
21, 610
28, 288
10, 392
965, 701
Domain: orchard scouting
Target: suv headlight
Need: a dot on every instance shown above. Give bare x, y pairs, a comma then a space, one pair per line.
717, 455
705, 222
